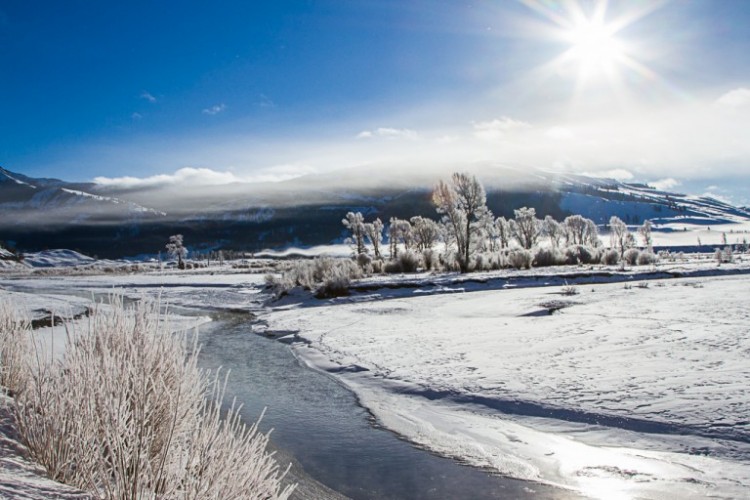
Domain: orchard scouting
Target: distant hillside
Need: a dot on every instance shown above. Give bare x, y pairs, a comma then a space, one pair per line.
107, 222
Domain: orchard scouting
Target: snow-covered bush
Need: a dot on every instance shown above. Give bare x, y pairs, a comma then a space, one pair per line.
430, 259
631, 256
14, 347
449, 261
545, 257
724, 256
520, 258
490, 261
365, 263
127, 414
582, 254
327, 276
647, 258
406, 262
610, 257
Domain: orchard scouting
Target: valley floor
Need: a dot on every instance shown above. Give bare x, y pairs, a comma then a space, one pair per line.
613, 386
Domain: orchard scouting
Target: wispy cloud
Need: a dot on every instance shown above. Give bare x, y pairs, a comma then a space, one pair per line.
735, 98
265, 102
215, 110
148, 96
136, 116
388, 132
498, 128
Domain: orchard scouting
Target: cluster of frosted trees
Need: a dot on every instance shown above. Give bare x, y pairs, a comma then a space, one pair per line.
469, 237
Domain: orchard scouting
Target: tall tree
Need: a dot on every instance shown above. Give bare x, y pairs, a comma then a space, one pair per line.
177, 250
620, 238
355, 223
374, 233
462, 203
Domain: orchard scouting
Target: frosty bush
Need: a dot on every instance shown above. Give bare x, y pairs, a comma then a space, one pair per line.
406, 262
327, 276
548, 257
127, 414
429, 257
647, 258
581, 254
610, 257
14, 348
520, 258
631, 256
365, 262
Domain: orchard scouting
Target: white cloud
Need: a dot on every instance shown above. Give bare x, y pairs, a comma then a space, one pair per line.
665, 184
215, 110
190, 176
498, 128
619, 174
136, 116
148, 96
559, 133
735, 98
388, 132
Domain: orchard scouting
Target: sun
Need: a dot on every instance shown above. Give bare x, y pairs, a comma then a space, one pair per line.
597, 53
594, 46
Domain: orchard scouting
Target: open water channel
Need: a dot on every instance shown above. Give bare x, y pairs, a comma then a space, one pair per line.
329, 438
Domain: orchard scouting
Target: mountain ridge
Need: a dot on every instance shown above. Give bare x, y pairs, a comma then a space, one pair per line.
306, 211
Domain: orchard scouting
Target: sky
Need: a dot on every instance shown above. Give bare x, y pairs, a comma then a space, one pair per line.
142, 92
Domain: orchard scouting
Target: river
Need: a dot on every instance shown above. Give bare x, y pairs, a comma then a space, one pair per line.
319, 426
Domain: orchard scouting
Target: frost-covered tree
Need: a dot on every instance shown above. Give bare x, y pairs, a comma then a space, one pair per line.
355, 223
374, 233
645, 232
399, 231
553, 230
620, 238
526, 227
425, 232
581, 231
462, 204
485, 237
177, 250
502, 229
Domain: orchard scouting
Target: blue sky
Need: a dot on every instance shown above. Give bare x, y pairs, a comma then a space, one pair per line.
183, 91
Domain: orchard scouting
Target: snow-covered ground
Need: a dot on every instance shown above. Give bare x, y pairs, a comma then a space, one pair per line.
619, 390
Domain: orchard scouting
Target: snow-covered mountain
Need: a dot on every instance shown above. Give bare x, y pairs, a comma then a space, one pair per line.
23, 200
112, 222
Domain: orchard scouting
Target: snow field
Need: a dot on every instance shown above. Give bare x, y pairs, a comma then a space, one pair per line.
626, 381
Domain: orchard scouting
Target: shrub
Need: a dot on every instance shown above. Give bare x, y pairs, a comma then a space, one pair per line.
647, 258
450, 261
127, 414
364, 261
326, 274
520, 258
545, 257
406, 262
610, 257
14, 352
429, 257
631, 256
581, 254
